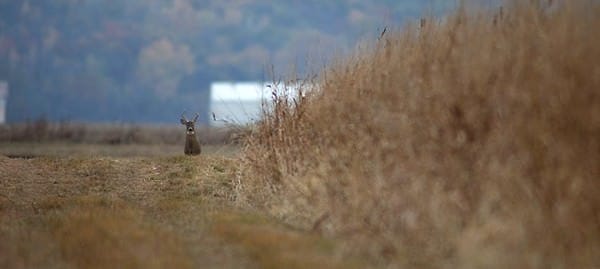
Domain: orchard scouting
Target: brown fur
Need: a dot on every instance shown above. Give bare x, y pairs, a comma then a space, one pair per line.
192, 147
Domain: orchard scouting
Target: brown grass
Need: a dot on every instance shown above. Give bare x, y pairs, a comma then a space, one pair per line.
143, 212
125, 213
274, 245
99, 233
469, 142
68, 149
43, 131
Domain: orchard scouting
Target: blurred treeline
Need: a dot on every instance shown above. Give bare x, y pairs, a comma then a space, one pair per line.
147, 60
43, 131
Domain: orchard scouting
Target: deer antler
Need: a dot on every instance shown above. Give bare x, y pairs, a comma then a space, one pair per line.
183, 116
196, 117
183, 120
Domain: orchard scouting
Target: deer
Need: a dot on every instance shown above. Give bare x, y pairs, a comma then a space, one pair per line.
192, 147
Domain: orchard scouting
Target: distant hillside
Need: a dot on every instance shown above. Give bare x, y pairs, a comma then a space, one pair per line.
141, 60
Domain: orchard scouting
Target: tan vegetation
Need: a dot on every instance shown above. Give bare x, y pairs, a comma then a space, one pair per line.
76, 150
468, 142
44, 138
160, 212
104, 212
464, 142
44, 131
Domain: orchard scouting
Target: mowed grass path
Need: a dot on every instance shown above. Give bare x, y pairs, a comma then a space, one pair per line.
141, 212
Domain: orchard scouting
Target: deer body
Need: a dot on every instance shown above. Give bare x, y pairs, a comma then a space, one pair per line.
192, 147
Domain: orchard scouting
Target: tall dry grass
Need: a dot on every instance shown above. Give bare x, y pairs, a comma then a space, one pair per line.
471, 141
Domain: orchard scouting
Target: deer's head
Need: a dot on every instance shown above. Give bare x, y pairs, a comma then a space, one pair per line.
190, 127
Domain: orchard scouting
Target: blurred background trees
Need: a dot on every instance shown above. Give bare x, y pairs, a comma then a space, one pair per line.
147, 60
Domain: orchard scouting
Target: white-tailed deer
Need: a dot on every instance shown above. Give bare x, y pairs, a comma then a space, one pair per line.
192, 147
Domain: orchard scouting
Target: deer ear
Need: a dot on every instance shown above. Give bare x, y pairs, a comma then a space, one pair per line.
182, 121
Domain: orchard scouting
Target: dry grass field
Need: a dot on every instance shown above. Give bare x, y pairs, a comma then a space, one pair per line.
66, 149
105, 212
102, 196
142, 212
471, 141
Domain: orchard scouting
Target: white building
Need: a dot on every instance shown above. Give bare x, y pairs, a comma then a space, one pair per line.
240, 103
236, 102
3, 98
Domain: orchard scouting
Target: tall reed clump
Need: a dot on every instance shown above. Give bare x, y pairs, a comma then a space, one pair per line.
471, 141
